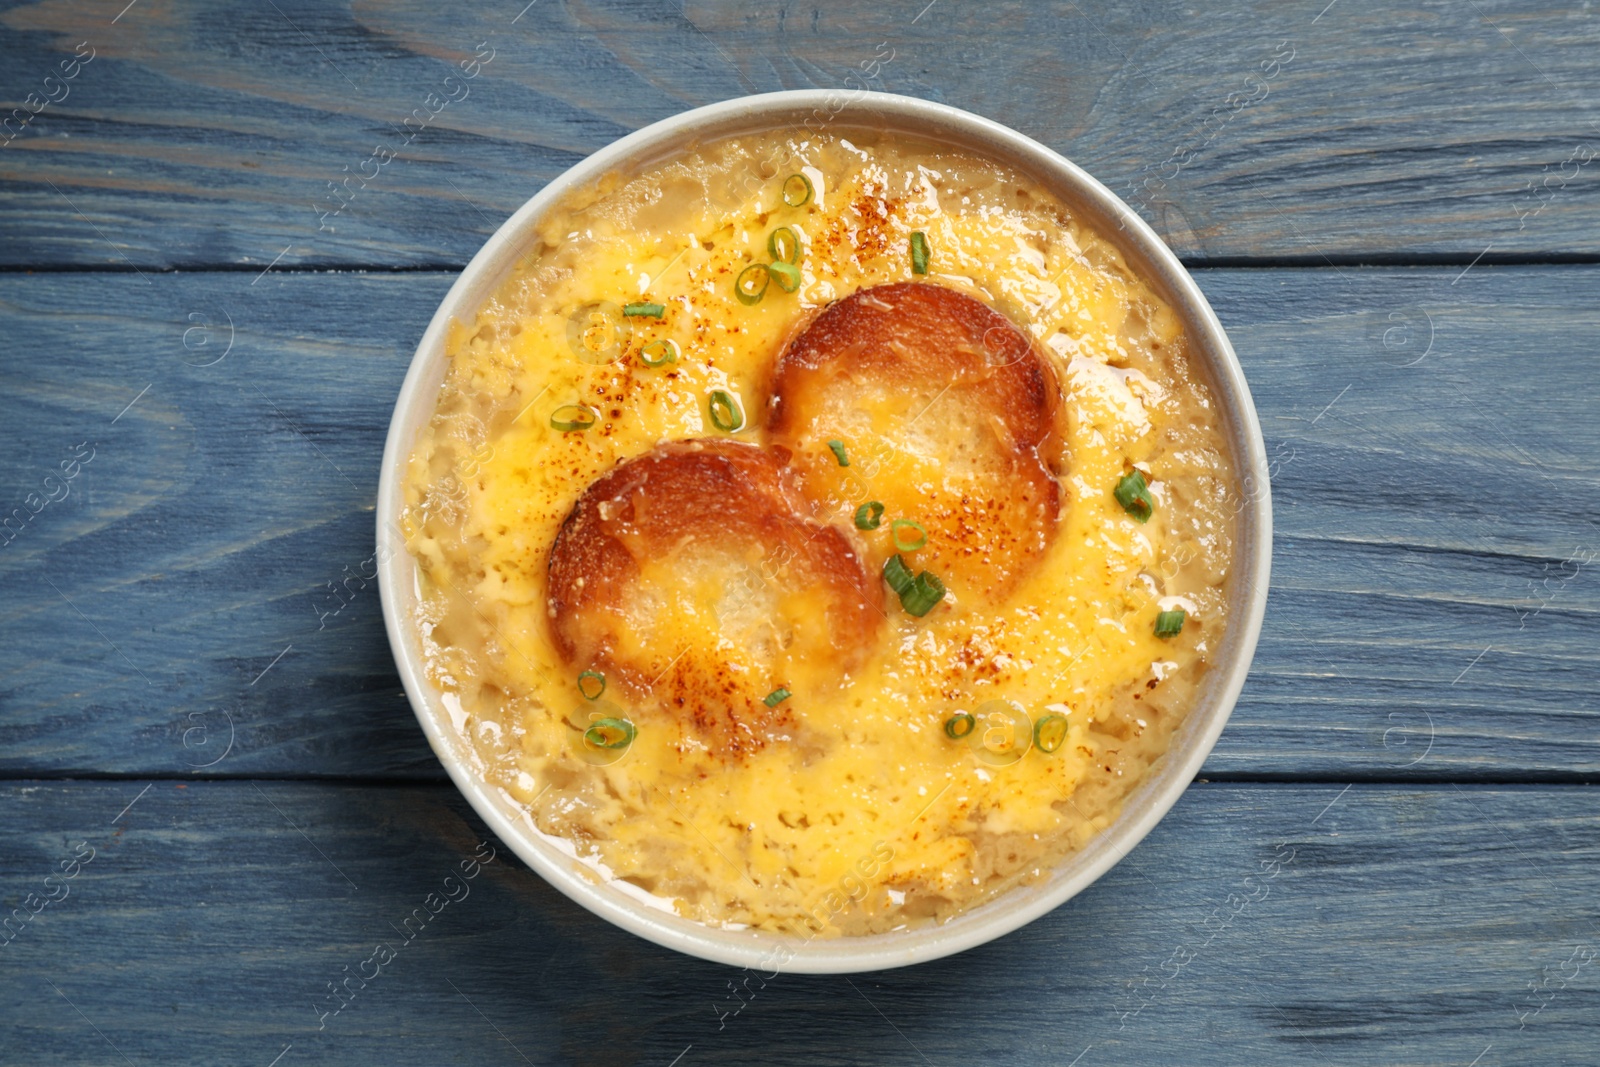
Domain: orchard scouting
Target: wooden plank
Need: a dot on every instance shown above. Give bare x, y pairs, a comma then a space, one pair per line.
195, 558
198, 137
1260, 923
1432, 612
1435, 482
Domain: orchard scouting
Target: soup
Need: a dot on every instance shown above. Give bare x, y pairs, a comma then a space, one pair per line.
820, 533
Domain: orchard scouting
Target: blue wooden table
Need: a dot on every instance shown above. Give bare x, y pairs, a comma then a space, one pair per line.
215, 802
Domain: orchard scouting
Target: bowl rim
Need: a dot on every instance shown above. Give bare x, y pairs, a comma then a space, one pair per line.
1142, 808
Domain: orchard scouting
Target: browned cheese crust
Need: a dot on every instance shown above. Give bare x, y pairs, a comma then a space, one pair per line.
948, 414
694, 580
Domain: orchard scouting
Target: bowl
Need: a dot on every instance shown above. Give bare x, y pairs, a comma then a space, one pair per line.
1142, 809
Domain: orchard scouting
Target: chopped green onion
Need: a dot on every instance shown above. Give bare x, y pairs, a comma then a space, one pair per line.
573, 417
959, 725
725, 413
918, 540
649, 311
591, 684
1134, 496
917, 595
919, 253
797, 190
869, 516
657, 353
783, 245
788, 277
776, 697
1170, 623
898, 575
610, 733
751, 285
1050, 733
924, 593
839, 453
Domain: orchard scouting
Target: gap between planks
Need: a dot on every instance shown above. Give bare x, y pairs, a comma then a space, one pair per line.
1304, 261
1497, 781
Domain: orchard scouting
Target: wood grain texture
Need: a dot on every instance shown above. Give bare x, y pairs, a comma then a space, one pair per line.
1257, 924
167, 607
1432, 609
206, 134
206, 539
1436, 472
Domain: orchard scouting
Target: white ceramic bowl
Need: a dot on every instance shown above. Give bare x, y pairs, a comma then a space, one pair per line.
1149, 802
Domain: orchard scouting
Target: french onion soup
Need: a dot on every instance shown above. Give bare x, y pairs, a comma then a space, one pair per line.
820, 533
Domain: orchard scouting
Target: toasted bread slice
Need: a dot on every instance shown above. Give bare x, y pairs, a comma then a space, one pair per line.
947, 414
693, 577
